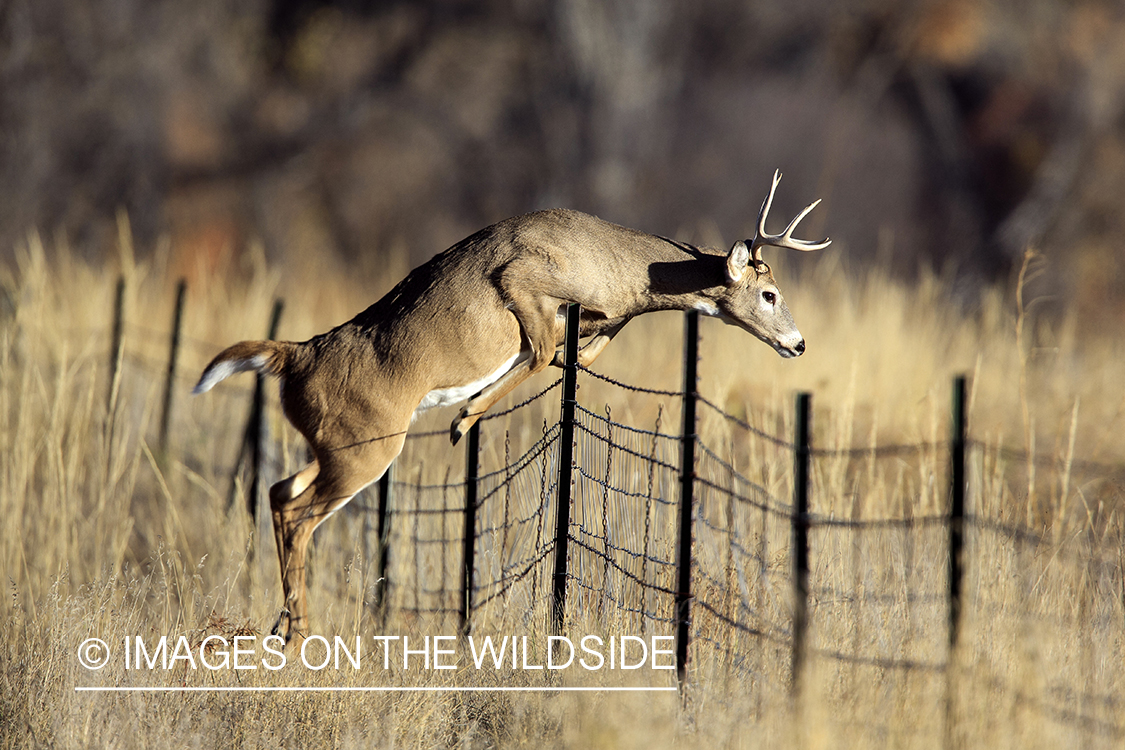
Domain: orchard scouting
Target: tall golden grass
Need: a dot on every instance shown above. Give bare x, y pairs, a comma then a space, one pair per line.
107, 536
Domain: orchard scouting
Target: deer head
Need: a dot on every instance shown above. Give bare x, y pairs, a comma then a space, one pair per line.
751, 299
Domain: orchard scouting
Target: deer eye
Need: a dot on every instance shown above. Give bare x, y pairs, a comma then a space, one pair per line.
769, 297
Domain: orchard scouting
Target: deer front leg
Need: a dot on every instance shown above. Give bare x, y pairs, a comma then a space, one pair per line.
588, 353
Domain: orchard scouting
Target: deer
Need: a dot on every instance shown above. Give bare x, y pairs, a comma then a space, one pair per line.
473, 323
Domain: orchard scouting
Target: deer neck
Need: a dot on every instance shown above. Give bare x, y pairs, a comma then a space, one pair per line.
693, 280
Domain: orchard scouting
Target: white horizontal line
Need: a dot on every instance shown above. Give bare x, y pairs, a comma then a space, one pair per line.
299, 689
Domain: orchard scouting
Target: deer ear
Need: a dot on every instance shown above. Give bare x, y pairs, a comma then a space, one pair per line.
737, 261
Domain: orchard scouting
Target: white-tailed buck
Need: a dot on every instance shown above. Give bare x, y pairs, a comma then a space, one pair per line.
476, 321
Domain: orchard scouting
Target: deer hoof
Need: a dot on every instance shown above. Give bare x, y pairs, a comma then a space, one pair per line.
284, 626
290, 628
457, 430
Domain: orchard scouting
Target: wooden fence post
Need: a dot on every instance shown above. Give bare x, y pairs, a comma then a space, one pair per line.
566, 460
800, 522
687, 486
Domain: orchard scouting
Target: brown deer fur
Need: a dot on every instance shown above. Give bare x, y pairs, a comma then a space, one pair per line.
482, 317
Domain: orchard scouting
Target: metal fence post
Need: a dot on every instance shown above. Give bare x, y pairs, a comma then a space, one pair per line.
472, 471
566, 460
687, 486
958, 439
382, 531
255, 434
173, 360
800, 538
117, 345
956, 508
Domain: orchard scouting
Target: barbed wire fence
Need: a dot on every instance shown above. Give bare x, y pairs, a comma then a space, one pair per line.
667, 532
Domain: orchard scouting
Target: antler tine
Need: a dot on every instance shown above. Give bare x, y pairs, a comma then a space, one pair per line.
785, 239
760, 234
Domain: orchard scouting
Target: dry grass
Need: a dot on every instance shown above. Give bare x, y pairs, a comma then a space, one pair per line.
106, 536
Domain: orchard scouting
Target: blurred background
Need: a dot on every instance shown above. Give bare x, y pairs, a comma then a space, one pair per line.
944, 134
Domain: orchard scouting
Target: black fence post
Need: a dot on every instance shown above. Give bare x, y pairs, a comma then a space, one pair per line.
687, 486
173, 360
566, 460
472, 472
800, 538
255, 434
958, 439
117, 345
382, 530
259, 420
956, 508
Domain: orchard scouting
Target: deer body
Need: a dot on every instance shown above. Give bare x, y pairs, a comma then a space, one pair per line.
479, 318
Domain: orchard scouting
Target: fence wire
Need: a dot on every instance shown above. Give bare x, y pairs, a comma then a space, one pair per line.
866, 614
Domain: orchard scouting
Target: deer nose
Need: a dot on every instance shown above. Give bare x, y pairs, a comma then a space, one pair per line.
800, 347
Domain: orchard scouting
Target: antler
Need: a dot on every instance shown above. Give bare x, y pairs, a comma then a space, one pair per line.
785, 239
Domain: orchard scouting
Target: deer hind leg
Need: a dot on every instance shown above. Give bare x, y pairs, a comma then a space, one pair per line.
296, 515
282, 494
537, 319
476, 408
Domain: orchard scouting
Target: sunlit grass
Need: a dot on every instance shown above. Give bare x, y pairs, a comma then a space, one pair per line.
105, 535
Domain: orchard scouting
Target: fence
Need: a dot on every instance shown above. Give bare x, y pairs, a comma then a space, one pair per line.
664, 532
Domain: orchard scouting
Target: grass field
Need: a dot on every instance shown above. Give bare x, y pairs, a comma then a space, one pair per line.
108, 536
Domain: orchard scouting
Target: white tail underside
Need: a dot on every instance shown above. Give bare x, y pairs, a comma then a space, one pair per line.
458, 393
224, 370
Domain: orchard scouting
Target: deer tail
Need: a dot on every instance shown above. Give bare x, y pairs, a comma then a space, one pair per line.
266, 357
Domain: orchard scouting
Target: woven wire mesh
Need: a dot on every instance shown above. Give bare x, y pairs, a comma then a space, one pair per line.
877, 585
623, 524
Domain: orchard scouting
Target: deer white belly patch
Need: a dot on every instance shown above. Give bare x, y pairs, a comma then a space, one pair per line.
458, 393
